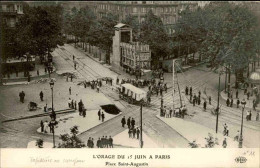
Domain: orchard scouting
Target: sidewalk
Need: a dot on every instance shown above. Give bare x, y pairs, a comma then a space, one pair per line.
241, 96
196, 132
65, 123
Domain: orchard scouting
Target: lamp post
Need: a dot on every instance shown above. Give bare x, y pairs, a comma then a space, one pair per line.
141, 126
217, 110
243, 102
161, 113
53, 115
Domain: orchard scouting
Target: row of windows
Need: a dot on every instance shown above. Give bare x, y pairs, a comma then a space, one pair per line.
12, 8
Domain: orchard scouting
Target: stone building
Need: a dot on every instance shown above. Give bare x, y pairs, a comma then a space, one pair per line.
129, 55
168, 11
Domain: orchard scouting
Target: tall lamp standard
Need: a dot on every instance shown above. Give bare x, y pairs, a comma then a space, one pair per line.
141, 125
218, 109
53, 115
243, 102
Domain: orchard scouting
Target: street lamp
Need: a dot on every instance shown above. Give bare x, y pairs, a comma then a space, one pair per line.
217, 110
141, 125
243, 102
161, 114
53, 115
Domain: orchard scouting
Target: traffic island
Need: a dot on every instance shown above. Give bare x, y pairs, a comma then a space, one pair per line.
195, 132
65, 123
122, 139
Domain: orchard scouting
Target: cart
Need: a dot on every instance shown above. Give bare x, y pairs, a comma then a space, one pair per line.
32, 106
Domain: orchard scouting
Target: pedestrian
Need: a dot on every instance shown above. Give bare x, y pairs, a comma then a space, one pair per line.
227, 102
238, 102
250, 115
133, 123
194, 101
92, 143
210, 100
45, 108
224, 144
165, 87
72, 104
227, 131
257, 116
231, 102
199, 100
254, 104
80, 104
199, 93
99, 114
42, 126
75, 105
103, 116
123, 121
45, 124
41, 96
69, 103
186, 90
73, 57
236, 138
134, 132
45, 70
248, 95
237, 94
71, 78
205, 105
190, 90
67, 78
103, 142
128, 122
106, 142
110, 142
98, 143
130, 132
137, 133
89, 143
97, 88
70, 90
75, 66
247, 115
38, 72
84, 111
22, 96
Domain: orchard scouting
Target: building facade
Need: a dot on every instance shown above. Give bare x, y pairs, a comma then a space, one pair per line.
10, 12
168, 11
128, 54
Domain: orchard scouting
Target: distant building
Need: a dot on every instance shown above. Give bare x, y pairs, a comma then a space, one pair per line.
168, 11
128, 54
10, 12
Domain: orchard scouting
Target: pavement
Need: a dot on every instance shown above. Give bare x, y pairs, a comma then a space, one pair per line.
122, 139
196, 132
66, 122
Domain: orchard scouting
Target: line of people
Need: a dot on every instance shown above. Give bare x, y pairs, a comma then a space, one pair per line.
132, 129
105, 142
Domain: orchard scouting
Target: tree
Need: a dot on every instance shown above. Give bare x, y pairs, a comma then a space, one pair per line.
133, 22
39, 143
152, 32
71, 141
104, 32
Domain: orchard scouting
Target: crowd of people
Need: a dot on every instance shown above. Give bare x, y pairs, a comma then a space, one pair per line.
105, 142
133, 131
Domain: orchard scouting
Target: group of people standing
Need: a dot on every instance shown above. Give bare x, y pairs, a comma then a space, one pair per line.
105, 142
133, 131
101, 115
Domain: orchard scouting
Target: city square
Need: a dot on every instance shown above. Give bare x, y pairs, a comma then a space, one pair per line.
122, 84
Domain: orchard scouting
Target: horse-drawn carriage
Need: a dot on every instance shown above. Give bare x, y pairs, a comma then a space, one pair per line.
132, 94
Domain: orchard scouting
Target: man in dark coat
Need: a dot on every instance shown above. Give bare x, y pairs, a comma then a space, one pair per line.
99, 114
210, 100
103, 116
42, 126
123, 121
186, 90
106, 142
227, 102
190, 90
80, 104
70, 90
41, 96
128, 122
102, 142
110, 142
205, 105
89, 142
92, 143
231, 102
133, 123
238, 102
99, 143
134, 132
199, 100
84, 112
137, 132
237, 94
130, 132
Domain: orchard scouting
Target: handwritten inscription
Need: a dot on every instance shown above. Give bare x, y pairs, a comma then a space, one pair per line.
48, 159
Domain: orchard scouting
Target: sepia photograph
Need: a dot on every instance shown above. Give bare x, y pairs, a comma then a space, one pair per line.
126, 75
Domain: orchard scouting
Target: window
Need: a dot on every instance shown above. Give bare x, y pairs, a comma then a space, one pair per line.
134, 10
